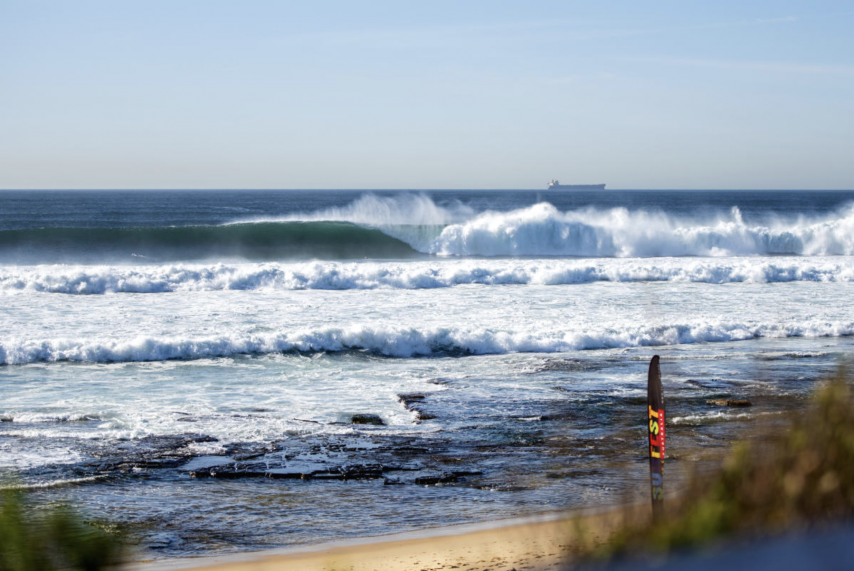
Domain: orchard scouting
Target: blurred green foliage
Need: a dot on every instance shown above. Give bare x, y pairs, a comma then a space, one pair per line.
35, 540
802, 478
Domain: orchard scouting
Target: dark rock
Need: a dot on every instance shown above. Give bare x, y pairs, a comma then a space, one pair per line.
433, 480
286, 475
409, 399
412, 450
367, 419
409, 402
369, 472
228, 475
241, 451
249, 456
422, 415
157, 463
402, 467
328, 476
461, 473
729, 402
451, 459
6, 419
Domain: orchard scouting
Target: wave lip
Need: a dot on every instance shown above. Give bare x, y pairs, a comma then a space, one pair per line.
96, 280
396, 341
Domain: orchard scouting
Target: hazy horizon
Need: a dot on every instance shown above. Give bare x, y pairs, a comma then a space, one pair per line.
393, 189
481, 95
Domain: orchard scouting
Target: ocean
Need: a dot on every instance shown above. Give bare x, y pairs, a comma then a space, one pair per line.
189, 364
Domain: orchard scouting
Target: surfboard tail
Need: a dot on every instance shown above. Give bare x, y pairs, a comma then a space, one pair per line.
657, 436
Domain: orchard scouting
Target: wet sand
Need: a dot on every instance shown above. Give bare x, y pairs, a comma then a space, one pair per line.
532, 544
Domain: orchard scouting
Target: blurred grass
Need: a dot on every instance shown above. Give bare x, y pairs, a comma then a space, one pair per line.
802, 478
39, 540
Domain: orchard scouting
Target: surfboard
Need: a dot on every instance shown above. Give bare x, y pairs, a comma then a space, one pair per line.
655, 417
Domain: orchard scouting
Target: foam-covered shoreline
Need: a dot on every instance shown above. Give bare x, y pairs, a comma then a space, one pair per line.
102, 279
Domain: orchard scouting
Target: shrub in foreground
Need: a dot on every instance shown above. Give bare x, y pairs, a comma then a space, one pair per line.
57, 539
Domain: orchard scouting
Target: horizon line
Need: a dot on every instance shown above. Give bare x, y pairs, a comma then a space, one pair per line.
404, 189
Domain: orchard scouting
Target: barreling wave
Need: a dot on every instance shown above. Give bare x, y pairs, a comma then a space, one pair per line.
411, 226
255, 241
543, 230
395, 341
163, 278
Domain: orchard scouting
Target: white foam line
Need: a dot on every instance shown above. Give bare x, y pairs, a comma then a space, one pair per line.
53, 484
95, 280
396, 341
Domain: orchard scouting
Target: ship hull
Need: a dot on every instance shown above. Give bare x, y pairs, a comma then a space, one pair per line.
577, 187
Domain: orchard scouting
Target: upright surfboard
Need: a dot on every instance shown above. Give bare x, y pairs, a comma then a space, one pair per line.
655, 416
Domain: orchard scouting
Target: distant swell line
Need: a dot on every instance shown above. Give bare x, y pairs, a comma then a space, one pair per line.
403, 341
96, 280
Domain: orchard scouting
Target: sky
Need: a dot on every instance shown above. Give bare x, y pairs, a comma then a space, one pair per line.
426, 95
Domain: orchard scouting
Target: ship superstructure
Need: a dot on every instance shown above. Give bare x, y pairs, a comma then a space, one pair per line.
556, 185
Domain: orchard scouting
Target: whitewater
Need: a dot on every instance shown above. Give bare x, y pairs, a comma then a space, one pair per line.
149, 335
94, 280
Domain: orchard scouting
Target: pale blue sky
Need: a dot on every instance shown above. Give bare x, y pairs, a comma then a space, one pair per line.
254, 94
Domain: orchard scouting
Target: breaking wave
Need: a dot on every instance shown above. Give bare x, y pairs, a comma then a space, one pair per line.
411, 226
93, 280
404, 341
542, 230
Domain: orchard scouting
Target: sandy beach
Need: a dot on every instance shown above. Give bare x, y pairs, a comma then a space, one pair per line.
531, 544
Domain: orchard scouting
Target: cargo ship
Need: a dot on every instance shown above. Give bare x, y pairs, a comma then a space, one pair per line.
556, 185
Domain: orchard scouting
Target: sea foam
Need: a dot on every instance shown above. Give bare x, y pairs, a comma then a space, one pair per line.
94, 280
395, 341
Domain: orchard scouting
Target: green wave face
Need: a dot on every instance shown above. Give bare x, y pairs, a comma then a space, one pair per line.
252, 241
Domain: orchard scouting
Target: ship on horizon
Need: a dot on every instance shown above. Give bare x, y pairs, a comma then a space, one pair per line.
556, 185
